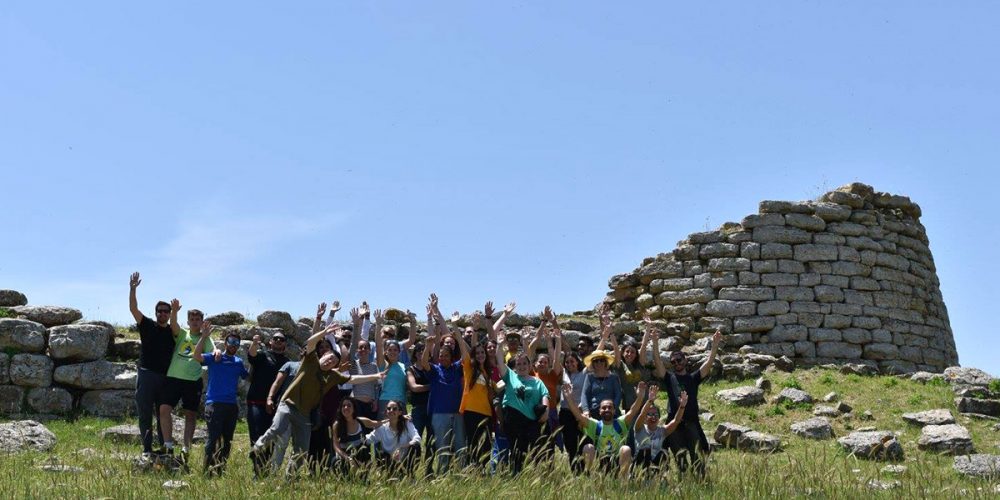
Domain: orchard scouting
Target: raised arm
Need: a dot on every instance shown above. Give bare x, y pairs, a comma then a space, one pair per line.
316, 337
501, 364
412, 337
133, 303
175, 307
206, 331
658, 368
643, 347
605, 327
557, 352
581, 419
638, 408
507, 311
535, 340
706, 368
318, 322
679, 416
425, 356
254, 347
379, 344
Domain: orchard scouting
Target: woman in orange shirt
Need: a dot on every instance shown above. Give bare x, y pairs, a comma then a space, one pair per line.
477, 397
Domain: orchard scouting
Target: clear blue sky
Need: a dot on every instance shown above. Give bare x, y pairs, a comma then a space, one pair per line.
251, 156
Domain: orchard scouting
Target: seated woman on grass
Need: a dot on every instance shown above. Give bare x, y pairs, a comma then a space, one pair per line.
349, 431
650, 435
397, 444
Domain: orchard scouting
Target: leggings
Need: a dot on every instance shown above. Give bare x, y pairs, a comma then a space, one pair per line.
571, 438
523, 434
477, 430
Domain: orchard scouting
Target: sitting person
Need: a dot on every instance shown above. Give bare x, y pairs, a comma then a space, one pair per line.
609, 433
349, 432
397, 444
649, 436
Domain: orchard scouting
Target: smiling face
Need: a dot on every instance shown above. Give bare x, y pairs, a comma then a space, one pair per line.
278, 344
392, 351
347, 408
444, 355
679, 362
607, 410
232, 345
491, 349
652, 416
393, 412
571, 364
522, 366
480, 354
600, 367
542, 363
195, 319
630, 354
329, 361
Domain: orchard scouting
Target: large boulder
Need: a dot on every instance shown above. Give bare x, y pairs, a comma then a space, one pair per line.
728, 434
977, 406
930, 417
742, 396
129, 433
128, 349
743, 438
277, 319
48, 315
4, 368
31, 370
814, 428
793, 395
12, 298
25, 435
22, 335
980, 465
229, 318
112, 404
78, 342
99, 374
952, 439
50, 400
11, 399
873, 445
959, 375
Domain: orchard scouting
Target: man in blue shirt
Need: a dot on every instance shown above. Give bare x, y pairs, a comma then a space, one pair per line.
221, 409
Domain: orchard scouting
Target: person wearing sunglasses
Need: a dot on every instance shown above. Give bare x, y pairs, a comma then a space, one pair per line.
221, 409
650, 435
265, 364
397, 443
157, 348
688, 442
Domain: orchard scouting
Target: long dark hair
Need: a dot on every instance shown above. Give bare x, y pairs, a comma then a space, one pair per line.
478, 368
637, 362
400, 420
341, 419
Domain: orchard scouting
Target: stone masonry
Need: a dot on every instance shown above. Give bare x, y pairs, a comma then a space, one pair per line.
846, 279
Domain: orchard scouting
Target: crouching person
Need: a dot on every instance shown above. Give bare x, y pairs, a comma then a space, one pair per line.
609, 434
397, 444
650, 435
221, 410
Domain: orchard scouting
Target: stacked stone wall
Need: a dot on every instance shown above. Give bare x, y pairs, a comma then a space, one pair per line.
848, 278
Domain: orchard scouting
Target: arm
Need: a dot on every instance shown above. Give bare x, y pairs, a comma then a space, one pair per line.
581, 420
316, 337
425, 356
658, 369
463, 347
318, 322
254, 346
206, 330
585, 394
368, 423
617, 352
379, 345
501, 364
272, 394
605, 327
638, 408
706, 368
366, 323
557, 354
175, 307
336, 441
411, 382
412, 337
535, 340
334, 307
669, 428
643, 351
507, 311
545, 415
133, 303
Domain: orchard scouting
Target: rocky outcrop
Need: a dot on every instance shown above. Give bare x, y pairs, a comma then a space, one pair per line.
23, 435
21, 335
48, 315
849, 277
12, 298
31, 370
78, 342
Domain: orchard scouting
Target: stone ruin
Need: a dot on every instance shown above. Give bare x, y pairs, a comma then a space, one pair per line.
54, 363
846, 279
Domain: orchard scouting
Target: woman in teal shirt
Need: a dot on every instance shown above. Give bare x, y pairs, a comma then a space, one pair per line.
525, 405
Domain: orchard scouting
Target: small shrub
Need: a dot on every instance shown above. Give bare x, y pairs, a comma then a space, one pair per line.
775, 411
995, 385
916, 399
938, 382
827, 379
891, 382
854, 378
6, 313
792, 383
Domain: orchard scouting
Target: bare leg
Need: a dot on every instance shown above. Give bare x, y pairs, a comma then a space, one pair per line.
190, 422
167, 423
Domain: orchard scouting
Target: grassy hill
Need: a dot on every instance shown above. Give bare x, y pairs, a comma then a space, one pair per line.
804, 467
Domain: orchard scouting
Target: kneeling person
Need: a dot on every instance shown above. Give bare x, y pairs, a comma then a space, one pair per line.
221, 409
609, 433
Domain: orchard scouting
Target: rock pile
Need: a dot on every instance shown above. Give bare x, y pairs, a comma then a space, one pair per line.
974, 398
846, 279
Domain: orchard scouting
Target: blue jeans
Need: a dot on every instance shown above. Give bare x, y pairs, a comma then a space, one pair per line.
449, 437
419, 417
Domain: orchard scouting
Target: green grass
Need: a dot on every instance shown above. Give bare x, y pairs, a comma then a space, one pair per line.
805, 468
6, 313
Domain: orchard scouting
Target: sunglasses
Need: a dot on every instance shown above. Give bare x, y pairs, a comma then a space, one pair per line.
233, 342
602, 361
278, 339
163, 311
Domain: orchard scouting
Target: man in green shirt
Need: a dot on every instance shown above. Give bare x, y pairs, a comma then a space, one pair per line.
609, 434
183, 383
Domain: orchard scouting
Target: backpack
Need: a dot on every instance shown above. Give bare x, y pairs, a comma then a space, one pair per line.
600, 429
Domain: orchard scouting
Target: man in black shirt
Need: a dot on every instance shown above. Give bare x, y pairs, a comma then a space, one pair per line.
157, 347
265, 364
688, 440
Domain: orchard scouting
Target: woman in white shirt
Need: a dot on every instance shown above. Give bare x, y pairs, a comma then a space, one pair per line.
397, 443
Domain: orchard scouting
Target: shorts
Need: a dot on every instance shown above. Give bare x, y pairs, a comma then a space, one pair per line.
188, 392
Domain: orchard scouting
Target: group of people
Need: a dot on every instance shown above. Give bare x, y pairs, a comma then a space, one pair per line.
479, 396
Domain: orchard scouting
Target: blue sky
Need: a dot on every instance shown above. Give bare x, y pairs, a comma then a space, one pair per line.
252, 156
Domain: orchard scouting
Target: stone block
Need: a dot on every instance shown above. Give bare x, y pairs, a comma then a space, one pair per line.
753, 324
714, 250
78, 342
728, 264
790, 266
731, 308
723, 279
750, 250
788, 333
793, 294
810, 279
826, 293
48, 315
50, 400
764, 219
856, 335
812, 252
847, 229
746, 293
807, 222
831, 212
824, 335
11, 399
692, 296
21, 335
836, 321
776, 251
839, 350
881, 351
779, 279
749, 278
781, 234
772, 307
31, 370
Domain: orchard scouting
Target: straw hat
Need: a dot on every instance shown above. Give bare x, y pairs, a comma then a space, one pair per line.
606, 355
